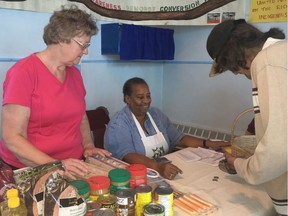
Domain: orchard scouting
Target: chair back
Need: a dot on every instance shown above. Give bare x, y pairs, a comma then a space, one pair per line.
98, 120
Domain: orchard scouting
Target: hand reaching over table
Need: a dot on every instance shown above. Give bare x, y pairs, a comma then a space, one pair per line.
168, 170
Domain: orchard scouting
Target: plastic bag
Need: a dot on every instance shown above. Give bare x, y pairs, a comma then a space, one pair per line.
27, 178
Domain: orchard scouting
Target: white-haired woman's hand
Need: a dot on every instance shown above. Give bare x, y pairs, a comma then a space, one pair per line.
91, 150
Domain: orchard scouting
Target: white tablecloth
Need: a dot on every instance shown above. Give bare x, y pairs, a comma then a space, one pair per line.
230, 193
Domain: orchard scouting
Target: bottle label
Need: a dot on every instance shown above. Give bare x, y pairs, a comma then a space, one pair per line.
67, 208
135, 182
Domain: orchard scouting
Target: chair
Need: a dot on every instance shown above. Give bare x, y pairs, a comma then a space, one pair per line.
98, 120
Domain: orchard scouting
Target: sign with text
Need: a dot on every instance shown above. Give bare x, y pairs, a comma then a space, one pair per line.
232, 9
268, 11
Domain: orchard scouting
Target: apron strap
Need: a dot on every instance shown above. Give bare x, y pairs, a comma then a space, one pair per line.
140, 129
153, 123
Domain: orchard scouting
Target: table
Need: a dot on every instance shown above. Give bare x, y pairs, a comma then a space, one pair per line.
230, 193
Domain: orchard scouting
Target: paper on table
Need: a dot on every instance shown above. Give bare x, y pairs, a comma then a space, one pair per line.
200, 154
188, 156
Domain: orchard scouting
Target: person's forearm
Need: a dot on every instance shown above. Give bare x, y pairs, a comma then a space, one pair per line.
190, 141
26, 152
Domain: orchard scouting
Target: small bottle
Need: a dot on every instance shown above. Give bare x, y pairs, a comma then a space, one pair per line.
15, 208
13, 192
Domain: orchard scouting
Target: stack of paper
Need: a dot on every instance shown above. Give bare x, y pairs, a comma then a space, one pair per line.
200, 154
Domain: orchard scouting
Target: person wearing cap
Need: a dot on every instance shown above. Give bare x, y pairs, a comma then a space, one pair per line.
241, 48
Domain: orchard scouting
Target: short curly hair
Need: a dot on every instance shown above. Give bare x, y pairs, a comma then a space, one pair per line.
68, 23
128, 86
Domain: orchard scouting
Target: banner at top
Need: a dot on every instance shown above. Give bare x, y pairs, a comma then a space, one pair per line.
232, 10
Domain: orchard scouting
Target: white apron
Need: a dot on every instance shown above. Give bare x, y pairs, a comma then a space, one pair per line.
155, 145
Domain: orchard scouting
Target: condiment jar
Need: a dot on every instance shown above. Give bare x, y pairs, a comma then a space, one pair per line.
120, 178
138, 174
143, 197
164, 195
126, 202
108, 201
82, 187
98, 185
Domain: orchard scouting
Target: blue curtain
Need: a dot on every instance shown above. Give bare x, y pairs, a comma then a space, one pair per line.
142, 42
110, 39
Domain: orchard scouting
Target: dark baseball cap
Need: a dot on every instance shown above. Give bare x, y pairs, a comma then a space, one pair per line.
217, 40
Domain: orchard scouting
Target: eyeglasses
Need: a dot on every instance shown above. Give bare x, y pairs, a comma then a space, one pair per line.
83, 46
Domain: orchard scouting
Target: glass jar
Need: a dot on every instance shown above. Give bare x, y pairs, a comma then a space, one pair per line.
98, 185
120, 178
82, 187
138, 174
92, 207
108, 201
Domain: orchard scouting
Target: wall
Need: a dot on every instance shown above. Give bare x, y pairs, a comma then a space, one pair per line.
181, 88
21, 34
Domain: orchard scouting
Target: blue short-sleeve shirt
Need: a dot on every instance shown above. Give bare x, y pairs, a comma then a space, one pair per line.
122, 136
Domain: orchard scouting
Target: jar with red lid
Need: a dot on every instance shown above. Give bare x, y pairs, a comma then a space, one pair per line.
98, 185
138, 174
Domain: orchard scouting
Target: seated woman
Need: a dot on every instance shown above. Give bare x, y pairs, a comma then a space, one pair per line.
140, 133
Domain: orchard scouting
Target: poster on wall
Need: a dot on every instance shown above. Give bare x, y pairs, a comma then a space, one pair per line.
268, 11
147, 12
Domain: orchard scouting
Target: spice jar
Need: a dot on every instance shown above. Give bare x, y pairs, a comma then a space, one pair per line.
138, 174
126, 202
98, 185
119, 178
82, 187
108, 201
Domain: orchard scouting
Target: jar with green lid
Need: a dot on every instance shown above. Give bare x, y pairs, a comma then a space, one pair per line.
120, 178
98, 185
82, 187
